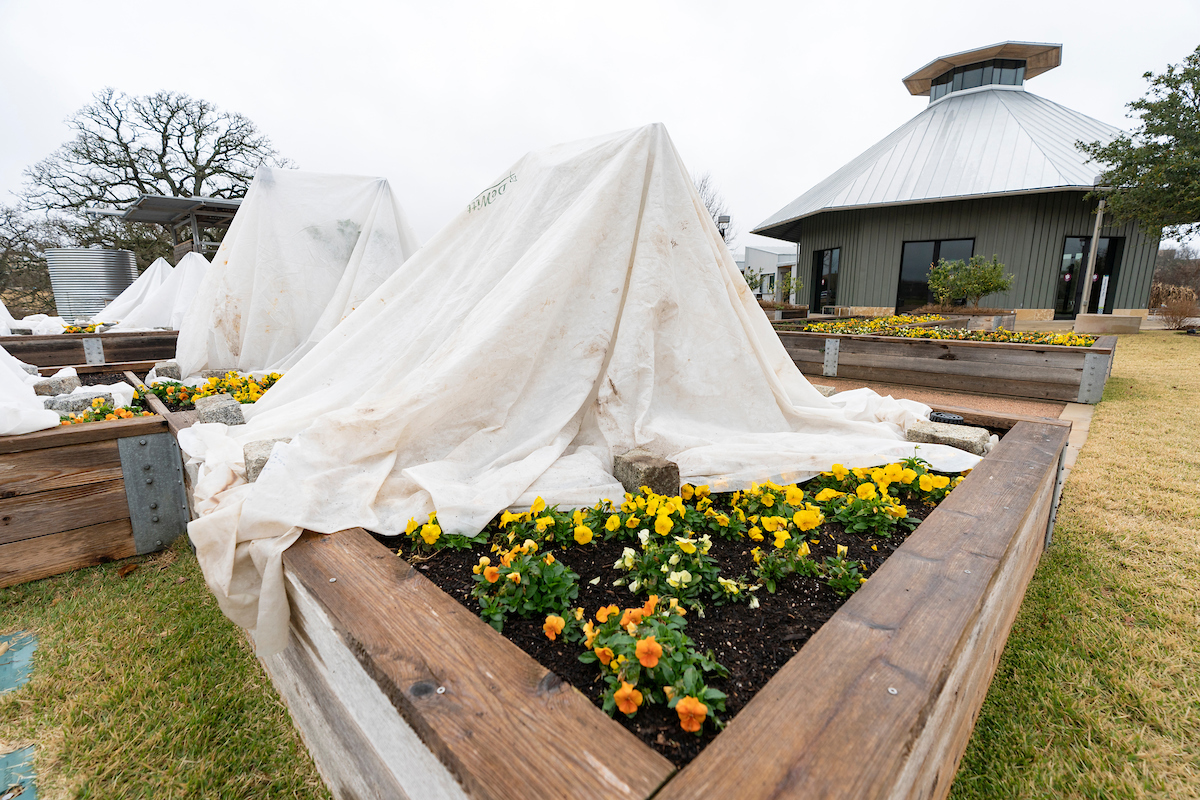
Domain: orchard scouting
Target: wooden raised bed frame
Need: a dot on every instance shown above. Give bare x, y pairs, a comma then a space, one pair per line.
79, 495
1042, 372
73, 349
400, 691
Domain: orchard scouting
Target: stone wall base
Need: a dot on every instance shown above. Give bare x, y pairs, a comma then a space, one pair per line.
872, 311
1034, 314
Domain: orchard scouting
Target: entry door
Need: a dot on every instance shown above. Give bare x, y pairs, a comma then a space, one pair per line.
1071, 272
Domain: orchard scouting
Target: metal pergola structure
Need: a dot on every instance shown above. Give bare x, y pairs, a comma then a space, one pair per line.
184, 217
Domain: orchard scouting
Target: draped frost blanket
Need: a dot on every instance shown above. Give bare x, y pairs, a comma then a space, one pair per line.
167, 305
302, 252
127, 301
21, 409
594, 309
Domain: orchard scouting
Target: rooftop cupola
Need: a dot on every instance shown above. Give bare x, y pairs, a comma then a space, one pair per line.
1004, 64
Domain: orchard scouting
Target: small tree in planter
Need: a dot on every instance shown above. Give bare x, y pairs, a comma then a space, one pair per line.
967, 280
787, 286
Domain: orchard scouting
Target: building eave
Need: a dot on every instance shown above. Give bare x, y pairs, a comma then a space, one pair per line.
781, 226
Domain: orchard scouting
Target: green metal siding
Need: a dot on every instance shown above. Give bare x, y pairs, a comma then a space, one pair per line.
1026, 232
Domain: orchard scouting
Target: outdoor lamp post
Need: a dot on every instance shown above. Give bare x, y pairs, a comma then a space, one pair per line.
1095, 246
722, 225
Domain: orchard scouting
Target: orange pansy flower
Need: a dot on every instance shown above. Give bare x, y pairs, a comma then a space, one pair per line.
606, 612
691, 714
648, 652
651, 603
605, 654
553, 626
628, 698
492, 574
631, 615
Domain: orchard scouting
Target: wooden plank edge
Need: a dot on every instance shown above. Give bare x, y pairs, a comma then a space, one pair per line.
361, 744
798, 775
78, 434
937, 752
635, 773
997, 419
1096, 347
110, 366
56, 553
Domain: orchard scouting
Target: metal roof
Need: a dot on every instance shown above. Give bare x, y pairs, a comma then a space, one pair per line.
992, 140
1039, 57
164, 210
168, 210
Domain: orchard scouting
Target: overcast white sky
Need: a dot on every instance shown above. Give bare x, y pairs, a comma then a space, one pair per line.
440, 97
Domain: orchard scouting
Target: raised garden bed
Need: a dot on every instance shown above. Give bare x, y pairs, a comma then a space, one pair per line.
78, 495
72, 349
402, 691
1006, 369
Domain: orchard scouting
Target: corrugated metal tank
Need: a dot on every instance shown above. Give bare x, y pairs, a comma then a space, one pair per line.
85, 280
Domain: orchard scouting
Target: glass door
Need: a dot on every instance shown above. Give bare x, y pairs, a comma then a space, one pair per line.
1071, 272
823, 286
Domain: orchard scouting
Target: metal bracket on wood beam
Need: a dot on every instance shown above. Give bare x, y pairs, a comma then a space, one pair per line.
1095, 373
153, 471
831, 357
93, 351
1059, 480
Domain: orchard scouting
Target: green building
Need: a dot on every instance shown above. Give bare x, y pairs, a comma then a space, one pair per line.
986, 169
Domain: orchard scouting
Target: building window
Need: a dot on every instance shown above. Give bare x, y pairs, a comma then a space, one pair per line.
1002, 71
823, 286
767, 287
915, 261
1074, 265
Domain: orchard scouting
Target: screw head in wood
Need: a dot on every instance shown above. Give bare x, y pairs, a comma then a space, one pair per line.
892, 690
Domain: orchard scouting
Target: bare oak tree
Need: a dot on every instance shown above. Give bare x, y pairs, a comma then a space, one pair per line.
166, 143
24, 281
124, 147
706, 187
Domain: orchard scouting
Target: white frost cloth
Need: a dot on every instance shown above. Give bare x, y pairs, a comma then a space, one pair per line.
167, 305
21, 410
303, 251
596, 309
135, 293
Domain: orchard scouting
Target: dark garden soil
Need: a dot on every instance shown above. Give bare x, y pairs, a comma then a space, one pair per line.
751, 644
101, 378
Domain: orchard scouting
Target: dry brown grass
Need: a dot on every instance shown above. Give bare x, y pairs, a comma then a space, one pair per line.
1098, 691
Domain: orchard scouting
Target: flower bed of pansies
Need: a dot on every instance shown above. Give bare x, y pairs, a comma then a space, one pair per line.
243, 388
104, 412
859, 325
900, 326
671, 612
80, 328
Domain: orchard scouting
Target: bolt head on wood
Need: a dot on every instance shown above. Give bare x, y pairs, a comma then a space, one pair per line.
639, 468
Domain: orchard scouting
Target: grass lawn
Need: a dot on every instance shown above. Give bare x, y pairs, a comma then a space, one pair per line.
1098, 691
142, 689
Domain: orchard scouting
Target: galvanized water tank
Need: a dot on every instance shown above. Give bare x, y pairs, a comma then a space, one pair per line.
85, 280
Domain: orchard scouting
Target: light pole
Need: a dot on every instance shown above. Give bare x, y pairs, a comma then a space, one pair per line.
723, 225
1095, 246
